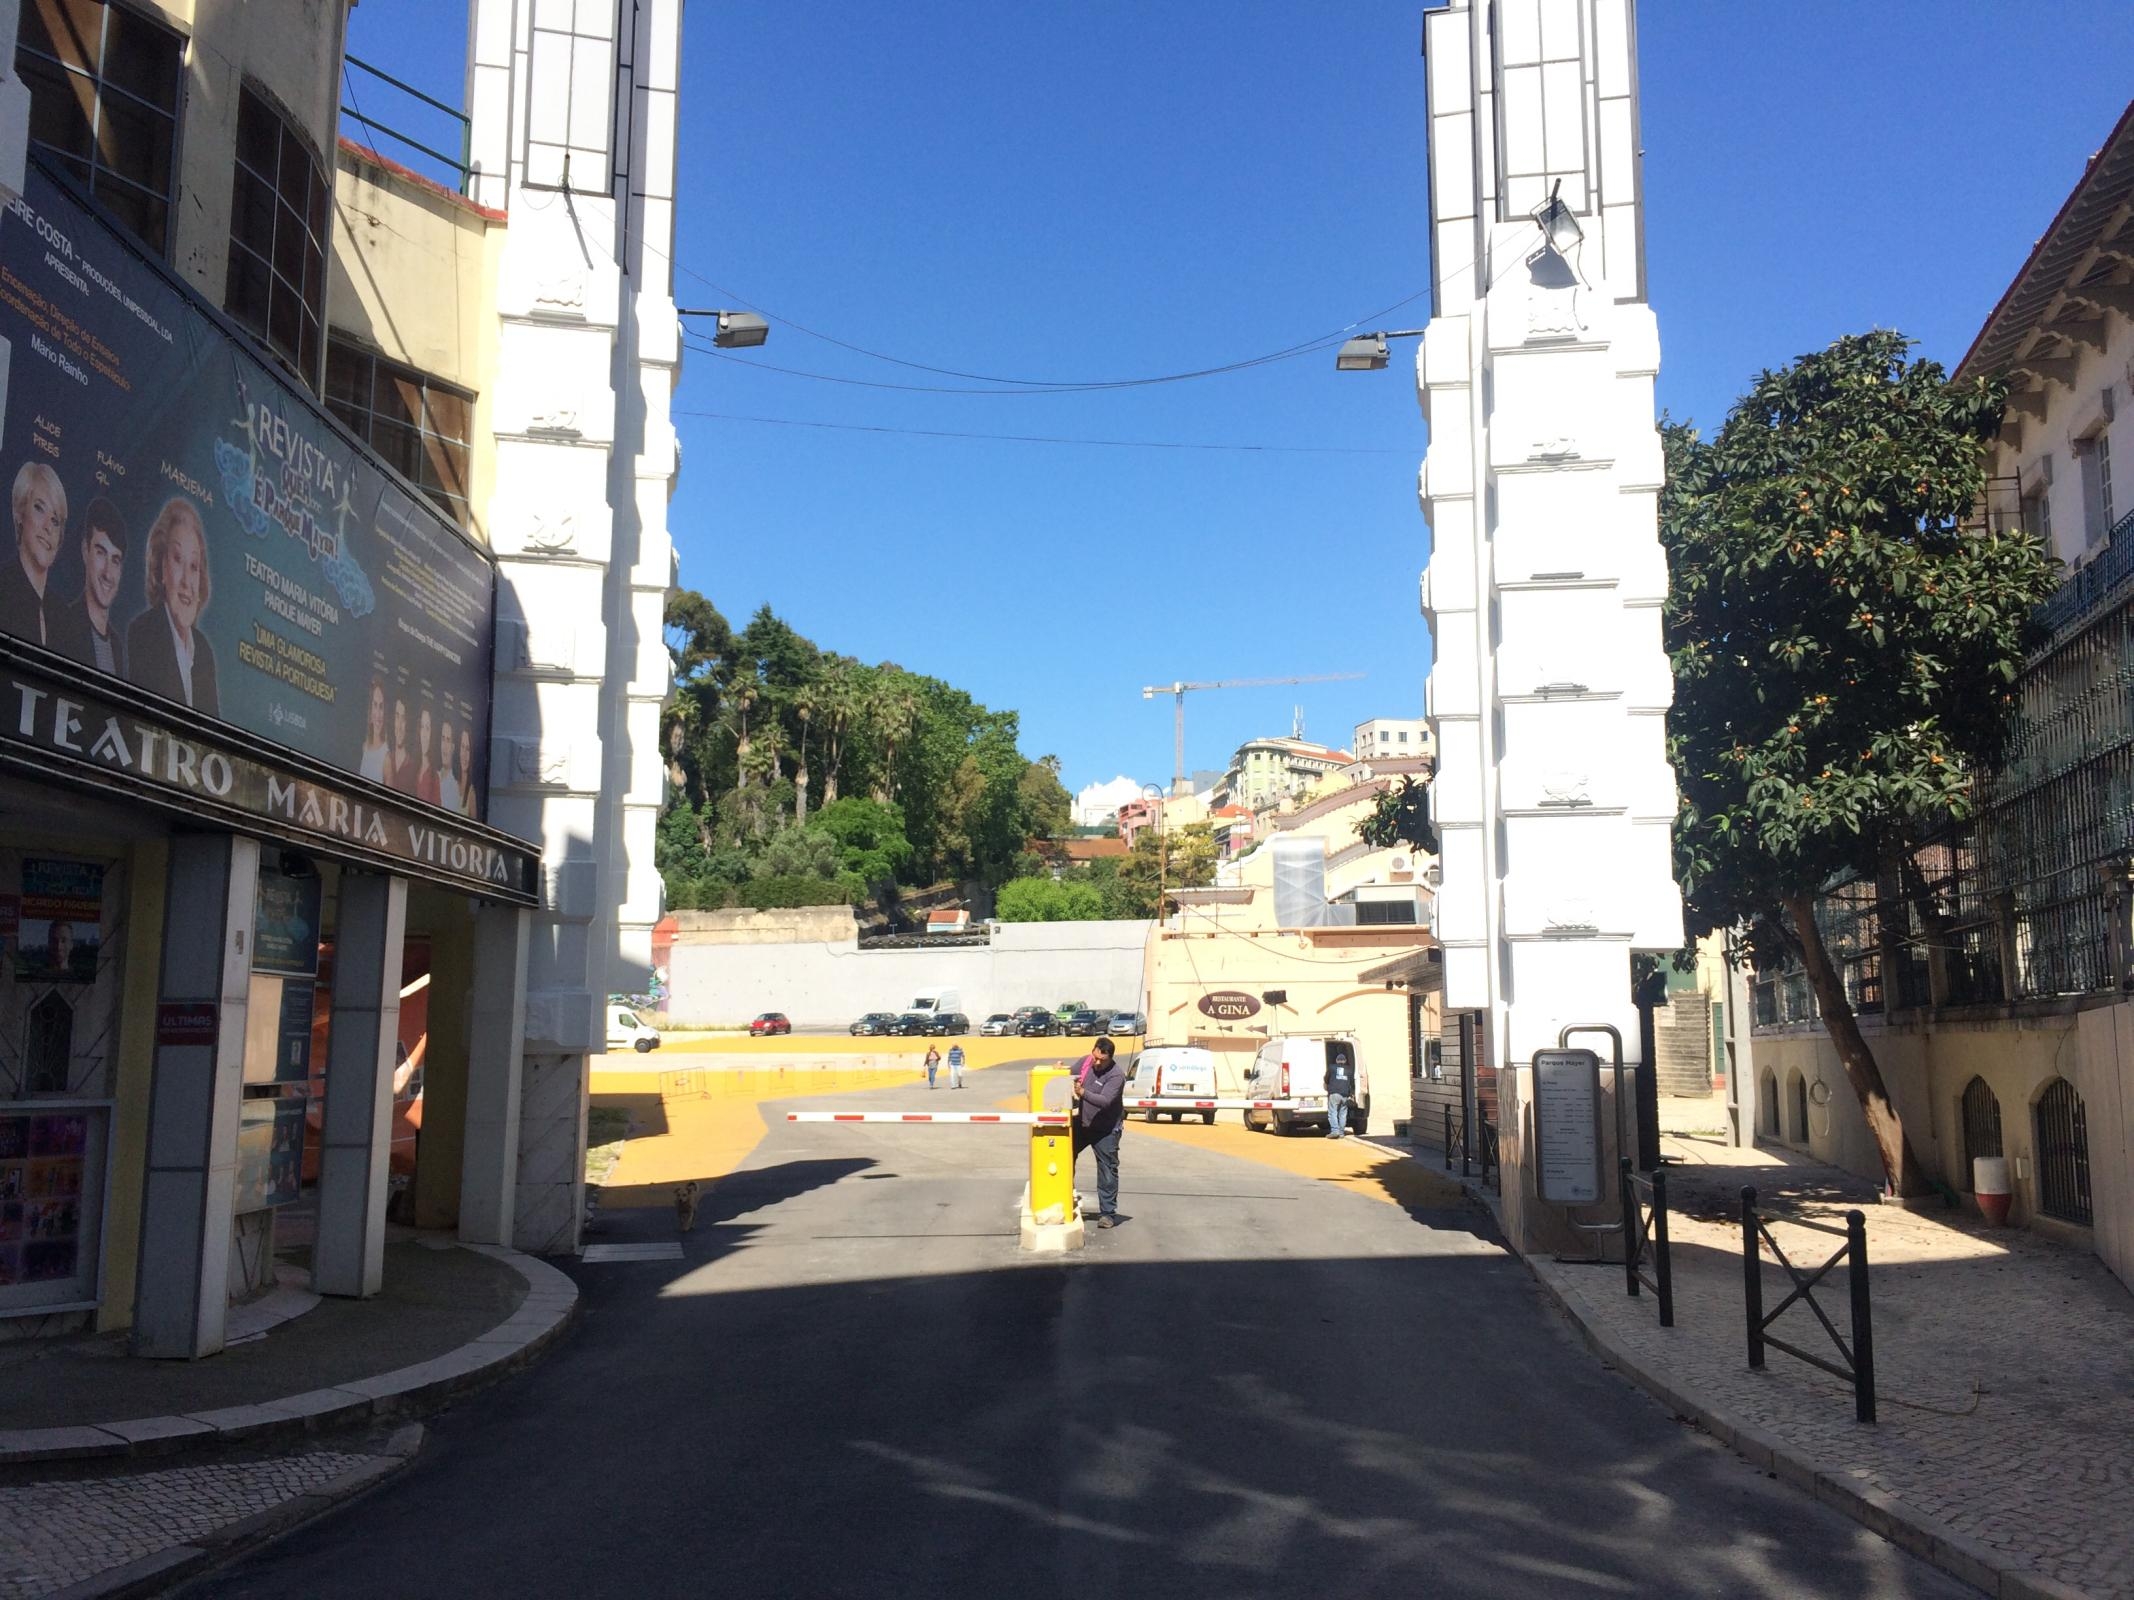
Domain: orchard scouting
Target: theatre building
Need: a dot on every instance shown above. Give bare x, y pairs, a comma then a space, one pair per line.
303, 932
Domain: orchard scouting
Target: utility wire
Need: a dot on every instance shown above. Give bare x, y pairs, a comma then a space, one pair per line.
1303, 347
1005, 394
1040, 438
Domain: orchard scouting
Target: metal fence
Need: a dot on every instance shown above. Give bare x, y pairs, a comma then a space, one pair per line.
2019, 904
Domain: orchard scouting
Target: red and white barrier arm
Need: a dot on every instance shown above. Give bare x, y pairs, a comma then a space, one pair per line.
1179, 1103
1024, 1119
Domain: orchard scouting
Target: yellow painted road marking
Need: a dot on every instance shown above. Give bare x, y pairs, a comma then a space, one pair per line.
1356, 1165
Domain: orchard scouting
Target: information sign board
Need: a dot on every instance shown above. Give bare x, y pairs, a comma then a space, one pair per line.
1567, 1146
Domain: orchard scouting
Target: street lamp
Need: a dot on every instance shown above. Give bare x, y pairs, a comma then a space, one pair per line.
737, 330
1367, 351
1559, 228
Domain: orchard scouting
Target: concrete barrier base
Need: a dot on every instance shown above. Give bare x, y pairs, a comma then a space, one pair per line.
1050, 1237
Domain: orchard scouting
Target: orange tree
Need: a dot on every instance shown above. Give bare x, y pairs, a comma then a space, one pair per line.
1845, 638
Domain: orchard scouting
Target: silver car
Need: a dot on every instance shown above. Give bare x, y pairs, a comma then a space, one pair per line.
1131, 1024
999, 1023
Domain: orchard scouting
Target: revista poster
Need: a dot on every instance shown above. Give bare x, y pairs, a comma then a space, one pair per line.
61, 921
187, 520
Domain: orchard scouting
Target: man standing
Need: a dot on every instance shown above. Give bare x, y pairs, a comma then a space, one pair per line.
1340, 1087
40, 508
1100, 1114
955, 1066
82, 628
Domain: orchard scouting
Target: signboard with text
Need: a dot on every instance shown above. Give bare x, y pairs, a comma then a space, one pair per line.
186, 520
70, 734
1229, 1005
1567, 1147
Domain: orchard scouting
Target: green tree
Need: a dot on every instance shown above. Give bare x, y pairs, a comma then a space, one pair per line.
869, 836
1844, 640
1174, 858
1041, 899
1045, 807
1400, 815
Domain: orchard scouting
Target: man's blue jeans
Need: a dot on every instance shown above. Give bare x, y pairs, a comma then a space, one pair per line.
1107, 1150
1337, 1114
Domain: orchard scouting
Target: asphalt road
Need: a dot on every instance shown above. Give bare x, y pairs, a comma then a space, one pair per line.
1259, 1385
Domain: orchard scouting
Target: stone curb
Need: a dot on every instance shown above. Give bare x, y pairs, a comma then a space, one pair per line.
1933, 1542
550, 1304
157, 1572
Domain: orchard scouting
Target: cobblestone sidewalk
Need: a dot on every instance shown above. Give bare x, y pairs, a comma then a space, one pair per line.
2005, 1369
106, 1533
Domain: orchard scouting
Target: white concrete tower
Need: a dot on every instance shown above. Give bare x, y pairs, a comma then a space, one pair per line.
1549, 685
573, 108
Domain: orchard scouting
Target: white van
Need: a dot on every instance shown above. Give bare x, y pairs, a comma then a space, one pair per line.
1172, 1072
1294, 1068
626, 1032
939, 1003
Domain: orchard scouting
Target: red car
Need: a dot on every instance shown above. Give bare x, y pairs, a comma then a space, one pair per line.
769, 1023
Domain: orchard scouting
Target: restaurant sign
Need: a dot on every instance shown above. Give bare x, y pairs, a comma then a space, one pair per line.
57, 729
1229, 1005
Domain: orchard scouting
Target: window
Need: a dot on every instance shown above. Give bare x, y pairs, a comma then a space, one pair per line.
570, 112
278, 221
2037, 513
2062, 1130
1404, 736
417, 424
104, 101
2095, 455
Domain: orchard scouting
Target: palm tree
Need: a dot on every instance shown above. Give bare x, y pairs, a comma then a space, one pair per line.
807, 700
837, 695
895, 714
743, 696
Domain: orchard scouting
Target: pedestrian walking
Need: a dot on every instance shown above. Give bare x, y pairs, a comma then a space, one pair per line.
1340, 1088
955, 1066
933, 1063
1100, 1115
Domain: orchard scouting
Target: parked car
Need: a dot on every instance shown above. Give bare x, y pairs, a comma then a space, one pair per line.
874, 1022
1172, 1072
626, 1032
912, 1024
999, 1024
1131, 1024
1024, 1013
946, 1022
1041, 1026
1084, 1024
771, 1022
1067, 1008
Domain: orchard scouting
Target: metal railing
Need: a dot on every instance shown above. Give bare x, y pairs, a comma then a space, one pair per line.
1856, 1361
460, 165
1455, 1139
1488, 1143
1645, 1237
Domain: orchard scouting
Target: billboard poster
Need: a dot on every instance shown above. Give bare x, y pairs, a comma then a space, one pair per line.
186, 520
285, 926
61, 921
42, 1169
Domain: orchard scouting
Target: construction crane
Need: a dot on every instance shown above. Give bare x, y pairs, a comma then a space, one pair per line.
1179, 691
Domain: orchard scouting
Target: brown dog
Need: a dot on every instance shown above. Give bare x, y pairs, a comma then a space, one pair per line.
685, 1206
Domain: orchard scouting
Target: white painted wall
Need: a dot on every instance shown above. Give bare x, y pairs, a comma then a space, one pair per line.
826, 983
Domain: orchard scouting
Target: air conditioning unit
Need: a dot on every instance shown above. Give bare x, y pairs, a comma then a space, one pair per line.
1400, 863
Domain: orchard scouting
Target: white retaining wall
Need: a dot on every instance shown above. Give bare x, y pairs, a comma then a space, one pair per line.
826, 983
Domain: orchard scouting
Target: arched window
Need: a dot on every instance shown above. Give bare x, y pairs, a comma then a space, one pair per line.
1797, 1103
2062, 1128
1767, 1104
1982, 1127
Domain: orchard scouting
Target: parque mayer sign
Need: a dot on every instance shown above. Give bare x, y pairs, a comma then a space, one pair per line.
58, 729
1229, 1005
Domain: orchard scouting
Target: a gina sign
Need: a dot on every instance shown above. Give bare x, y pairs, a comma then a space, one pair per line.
1228, 1005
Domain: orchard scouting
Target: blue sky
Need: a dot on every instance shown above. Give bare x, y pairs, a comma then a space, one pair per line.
1102, 191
